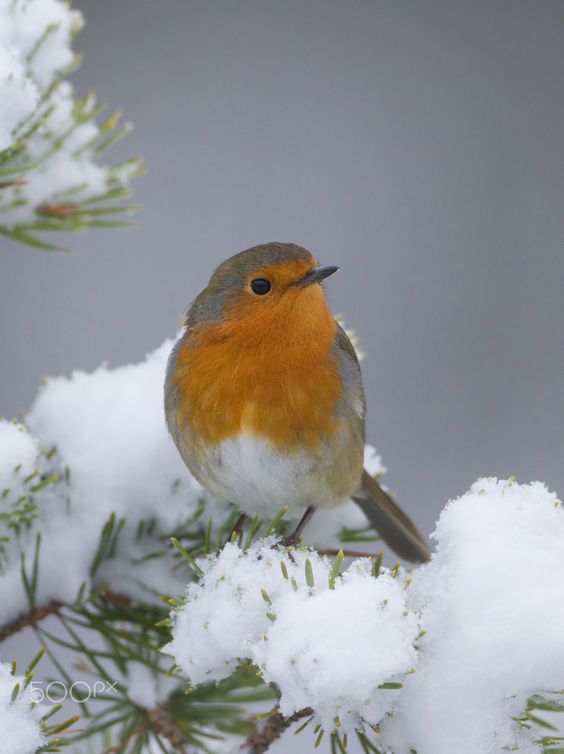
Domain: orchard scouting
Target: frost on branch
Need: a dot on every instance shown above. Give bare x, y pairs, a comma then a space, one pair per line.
51, 176
327, 641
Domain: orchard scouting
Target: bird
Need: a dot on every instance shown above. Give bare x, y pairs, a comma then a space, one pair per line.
264, 398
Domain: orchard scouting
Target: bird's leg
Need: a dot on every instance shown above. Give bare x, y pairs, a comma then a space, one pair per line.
238, 528
293, 539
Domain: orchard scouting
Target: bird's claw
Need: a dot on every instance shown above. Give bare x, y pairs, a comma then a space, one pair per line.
292, 540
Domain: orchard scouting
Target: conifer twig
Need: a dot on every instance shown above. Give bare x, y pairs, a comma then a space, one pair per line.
162, 723
26, 620
270, 730
37, 614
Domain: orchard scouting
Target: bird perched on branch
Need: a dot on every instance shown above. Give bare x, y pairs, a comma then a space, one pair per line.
264, 397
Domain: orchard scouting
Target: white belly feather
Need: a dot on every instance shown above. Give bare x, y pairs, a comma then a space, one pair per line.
259, 480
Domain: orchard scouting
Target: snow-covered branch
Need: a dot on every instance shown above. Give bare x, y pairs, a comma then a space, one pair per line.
445, 659
269, 730
52, 174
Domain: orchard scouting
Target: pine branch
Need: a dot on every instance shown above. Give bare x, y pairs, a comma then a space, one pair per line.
53, 174
268, 731
162, 723
38, 614
27, 620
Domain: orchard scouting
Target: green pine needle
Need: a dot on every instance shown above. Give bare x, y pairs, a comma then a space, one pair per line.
186, 555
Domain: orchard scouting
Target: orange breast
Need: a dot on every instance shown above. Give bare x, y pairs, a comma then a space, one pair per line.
273, 375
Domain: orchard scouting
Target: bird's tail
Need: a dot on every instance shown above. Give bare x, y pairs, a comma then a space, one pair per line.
394, 525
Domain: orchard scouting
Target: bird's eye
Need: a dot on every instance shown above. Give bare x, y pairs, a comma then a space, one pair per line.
260, 286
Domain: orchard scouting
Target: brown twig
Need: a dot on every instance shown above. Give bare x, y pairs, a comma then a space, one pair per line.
12, 184
35, 616
117, 598
29, 619
269, 730
162, 723
136, 733
57, 210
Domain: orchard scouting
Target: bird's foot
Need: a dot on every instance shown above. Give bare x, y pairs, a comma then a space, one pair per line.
292, 540
238, 528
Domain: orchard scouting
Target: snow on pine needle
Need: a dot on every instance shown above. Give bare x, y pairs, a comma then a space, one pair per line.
467, 658
52, 174
340, 644
17, 459
108, 457
492, 604
19, 717
25, 721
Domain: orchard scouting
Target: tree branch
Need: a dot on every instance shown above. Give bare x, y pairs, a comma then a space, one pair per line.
29, 619
162, 723
269, 730
35, 616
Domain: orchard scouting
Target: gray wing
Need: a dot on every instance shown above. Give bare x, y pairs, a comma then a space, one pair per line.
353, 403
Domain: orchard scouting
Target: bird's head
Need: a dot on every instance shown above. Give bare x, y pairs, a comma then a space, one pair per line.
271, 284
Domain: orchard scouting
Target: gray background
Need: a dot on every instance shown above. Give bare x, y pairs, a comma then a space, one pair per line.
416, 144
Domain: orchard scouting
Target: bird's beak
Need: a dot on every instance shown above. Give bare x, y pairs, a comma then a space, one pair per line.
317, 275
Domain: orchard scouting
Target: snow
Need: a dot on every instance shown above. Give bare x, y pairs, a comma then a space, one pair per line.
35, 45
492, 603
17, 449
373, 462
19, 719
17, 89
109, 428
25, 21
326, 648
27, 68
489, 603
331, 650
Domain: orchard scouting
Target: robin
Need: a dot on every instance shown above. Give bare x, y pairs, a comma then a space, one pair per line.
264, 397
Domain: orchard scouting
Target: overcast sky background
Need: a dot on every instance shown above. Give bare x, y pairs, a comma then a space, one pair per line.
419, 145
